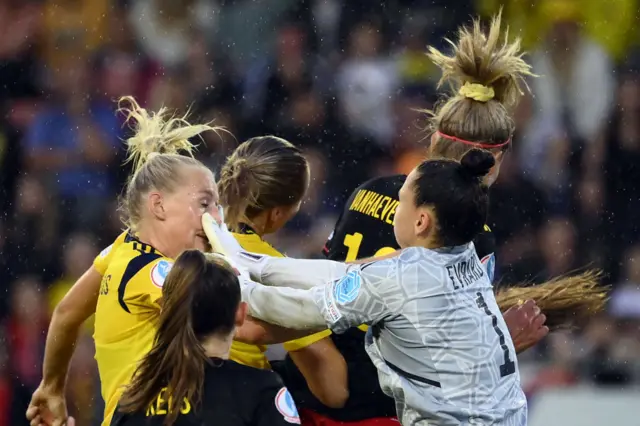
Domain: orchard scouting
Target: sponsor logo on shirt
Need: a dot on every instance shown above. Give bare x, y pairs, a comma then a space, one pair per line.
489, 262
160, 271
346, 290
286, 406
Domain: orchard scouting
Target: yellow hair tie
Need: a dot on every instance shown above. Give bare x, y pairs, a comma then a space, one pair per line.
477, 92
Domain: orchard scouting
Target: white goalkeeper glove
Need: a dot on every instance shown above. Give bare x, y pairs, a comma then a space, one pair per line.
221, 240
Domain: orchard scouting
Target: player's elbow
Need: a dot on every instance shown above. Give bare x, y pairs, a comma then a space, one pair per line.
333, 397
325, 371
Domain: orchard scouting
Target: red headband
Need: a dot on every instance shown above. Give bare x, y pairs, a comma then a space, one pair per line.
476, 144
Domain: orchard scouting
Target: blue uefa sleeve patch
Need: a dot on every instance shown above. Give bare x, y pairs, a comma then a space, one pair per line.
286, 406
346, 290
160, 271
489, 262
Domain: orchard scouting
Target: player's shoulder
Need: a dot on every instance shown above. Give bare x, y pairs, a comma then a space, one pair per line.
114, 245
139, 262
256, 378
427, 258
104, 258
255, 244
485, 242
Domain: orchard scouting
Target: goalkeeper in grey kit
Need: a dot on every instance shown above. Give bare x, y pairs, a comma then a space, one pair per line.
438, 340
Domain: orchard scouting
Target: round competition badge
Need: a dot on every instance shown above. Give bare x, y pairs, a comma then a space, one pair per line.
286, 406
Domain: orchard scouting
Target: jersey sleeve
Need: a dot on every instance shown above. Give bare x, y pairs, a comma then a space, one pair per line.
158, 272
296, 345
148, 273
101, 261
360, 297
275, 405
485, 245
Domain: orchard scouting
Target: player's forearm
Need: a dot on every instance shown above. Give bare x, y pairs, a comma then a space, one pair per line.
293, 273
60, 344
287, 307
258, 332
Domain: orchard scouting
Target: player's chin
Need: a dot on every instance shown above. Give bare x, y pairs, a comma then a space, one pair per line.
202, 243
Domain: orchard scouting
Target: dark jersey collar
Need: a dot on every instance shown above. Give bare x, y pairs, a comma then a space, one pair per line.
245, 229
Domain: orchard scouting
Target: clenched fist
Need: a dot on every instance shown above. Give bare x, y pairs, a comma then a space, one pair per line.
526, 325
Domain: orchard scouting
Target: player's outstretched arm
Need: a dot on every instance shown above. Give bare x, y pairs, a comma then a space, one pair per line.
74, 309
258, 332
67, 319
293, 273
338, 304
284, 306
274, 271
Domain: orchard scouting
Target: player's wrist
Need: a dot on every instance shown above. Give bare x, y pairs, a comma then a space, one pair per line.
53, 385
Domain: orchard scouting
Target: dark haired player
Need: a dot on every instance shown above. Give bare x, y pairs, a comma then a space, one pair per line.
364, 230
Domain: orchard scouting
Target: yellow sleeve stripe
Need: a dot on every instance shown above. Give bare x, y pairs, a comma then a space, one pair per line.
296, 345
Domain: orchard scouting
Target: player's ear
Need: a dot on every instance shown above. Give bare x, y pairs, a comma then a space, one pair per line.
495, 170
274, 215
241, 314
156, 205
424, 222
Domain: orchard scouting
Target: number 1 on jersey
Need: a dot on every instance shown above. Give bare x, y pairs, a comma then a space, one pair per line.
353, 242
508, 367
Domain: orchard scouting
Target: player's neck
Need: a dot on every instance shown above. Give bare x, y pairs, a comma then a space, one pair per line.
149, 236
217, 347
427, 242
258, 224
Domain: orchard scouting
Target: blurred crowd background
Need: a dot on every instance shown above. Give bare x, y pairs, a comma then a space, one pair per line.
343, 80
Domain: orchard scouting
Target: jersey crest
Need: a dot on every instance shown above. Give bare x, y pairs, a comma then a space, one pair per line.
347, 289
160, 271
106, 251
286, 406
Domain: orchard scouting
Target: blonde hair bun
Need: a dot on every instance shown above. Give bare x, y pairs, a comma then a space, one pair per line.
483, 63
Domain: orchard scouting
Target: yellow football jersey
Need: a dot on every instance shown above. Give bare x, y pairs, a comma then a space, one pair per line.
253, 355
125, 321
